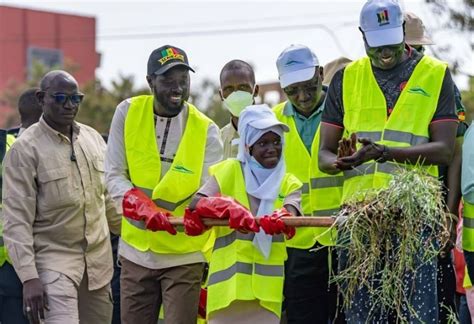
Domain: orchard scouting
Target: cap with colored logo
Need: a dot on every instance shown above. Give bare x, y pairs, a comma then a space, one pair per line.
297, 63
415, 30
382, 22
166, 57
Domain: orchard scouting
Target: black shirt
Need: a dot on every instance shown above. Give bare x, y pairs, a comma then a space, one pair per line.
391, 82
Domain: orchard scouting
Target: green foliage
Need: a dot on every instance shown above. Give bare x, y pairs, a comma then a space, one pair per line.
99, 104
468, 100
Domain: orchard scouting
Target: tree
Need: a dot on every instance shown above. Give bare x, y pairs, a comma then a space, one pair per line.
457, 16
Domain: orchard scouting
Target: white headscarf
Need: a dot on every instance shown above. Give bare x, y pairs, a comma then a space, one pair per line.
262, 183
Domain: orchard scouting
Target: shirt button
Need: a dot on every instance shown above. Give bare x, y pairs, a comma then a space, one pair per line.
161, 119
158, 137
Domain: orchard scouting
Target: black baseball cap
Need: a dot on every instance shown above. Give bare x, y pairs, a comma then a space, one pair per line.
166, 57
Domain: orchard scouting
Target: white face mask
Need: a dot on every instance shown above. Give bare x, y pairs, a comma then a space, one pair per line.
237, 101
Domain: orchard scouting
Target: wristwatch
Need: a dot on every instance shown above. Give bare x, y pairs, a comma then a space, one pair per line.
384, 154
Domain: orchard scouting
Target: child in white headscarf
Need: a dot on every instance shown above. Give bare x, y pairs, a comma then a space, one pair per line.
246, 271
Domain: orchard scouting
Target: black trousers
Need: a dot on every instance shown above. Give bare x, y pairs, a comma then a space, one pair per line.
11, 296
308, 296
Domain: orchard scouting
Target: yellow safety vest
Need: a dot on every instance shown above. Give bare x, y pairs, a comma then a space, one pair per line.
468, 236
321, 192
238, 270
3, 249
365, 113
174, 191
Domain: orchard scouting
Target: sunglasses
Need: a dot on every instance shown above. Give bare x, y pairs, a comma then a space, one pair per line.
62, 98
292, 91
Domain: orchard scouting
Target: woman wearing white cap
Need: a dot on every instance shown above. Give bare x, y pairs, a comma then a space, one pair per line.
246, 270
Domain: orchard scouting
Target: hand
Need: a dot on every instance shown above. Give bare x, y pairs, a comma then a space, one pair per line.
369, 151
193, 225
273, 224
159, 222
35, 300
347, 146
138, 206
227, 208
450, 239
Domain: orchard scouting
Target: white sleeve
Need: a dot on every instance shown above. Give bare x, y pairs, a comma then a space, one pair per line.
117, 178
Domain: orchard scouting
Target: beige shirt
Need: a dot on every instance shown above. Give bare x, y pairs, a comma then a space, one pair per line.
55, 209
169, 132
230, 139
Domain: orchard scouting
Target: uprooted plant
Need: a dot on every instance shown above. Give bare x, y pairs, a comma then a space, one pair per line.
387, 237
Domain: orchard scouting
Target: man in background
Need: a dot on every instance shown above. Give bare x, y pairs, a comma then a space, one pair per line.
237, 91
11, 295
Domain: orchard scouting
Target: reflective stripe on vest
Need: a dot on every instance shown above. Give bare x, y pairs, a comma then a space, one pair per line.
173, 192
321, 192
468, 227
237, 269
365, 113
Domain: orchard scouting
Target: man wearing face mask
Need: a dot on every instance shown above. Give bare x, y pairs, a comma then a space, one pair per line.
398, 107
308, 295
159, 150
238, 90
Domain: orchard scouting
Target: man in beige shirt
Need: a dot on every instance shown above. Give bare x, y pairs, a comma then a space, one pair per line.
55, 209
238, 90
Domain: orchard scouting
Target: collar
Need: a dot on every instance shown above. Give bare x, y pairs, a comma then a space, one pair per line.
289, 109
55, 134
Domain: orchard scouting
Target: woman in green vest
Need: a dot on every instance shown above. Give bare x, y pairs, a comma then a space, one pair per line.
246, 270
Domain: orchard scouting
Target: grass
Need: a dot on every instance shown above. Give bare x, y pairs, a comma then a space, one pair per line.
387, 237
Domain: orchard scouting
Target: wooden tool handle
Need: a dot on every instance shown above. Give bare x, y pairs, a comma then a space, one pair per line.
300, 221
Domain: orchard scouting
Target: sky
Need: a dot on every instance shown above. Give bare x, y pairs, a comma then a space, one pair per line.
215, 32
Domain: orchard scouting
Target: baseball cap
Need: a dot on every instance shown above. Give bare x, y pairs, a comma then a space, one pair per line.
259, 117
166, 57
415, 30
382, 22
297, 63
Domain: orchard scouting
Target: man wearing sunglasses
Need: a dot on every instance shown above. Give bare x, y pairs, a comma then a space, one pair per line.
308, 296
159, 149
57, 212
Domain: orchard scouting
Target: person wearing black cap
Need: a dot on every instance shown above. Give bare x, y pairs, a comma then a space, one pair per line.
159, 149
398, 106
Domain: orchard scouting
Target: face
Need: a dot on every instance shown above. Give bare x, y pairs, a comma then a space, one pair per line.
60, 101
234, 80
267, 150
171, 89
385, 57
306, 95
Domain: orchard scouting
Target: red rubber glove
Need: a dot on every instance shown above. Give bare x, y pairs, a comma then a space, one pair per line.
138, 206
224, 207
193, 225
272, 224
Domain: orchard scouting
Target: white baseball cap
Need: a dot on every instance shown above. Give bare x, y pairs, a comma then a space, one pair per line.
382, 22
297, 63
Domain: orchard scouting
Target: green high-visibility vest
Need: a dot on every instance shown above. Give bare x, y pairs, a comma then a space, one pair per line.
174, 191
3, 249
321, 192
237, 269
467, 235
365, 113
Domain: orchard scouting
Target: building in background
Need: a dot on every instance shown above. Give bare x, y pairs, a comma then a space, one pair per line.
30, 37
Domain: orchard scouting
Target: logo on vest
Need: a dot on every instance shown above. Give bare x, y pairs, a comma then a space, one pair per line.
419, 90
182, 169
